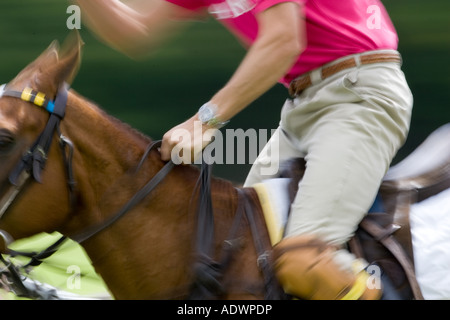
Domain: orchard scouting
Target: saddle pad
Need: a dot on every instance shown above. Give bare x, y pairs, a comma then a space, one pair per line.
274, 198
430, 230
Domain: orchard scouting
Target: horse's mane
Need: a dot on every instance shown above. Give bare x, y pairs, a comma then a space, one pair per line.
146, 140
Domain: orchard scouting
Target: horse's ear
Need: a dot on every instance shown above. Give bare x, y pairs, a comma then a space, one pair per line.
53, 67
30, 74
69, 59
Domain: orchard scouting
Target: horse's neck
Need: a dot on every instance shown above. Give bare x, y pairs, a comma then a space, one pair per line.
105, 150
105, 142
149, 252
156, 238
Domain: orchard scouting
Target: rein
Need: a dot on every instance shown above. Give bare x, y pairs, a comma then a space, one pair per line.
138, 197
33, 162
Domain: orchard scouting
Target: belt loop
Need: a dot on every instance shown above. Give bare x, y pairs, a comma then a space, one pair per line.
358, 60
316, 76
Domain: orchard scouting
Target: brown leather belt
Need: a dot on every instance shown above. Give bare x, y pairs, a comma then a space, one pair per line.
304, 81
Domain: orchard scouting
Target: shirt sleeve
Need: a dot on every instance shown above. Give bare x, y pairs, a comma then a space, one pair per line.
266, 4
193, 5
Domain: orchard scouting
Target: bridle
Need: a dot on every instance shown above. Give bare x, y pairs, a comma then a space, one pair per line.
34, 159
32, 163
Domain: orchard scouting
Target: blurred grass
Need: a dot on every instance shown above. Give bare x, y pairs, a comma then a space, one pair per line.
155, 94
56, 271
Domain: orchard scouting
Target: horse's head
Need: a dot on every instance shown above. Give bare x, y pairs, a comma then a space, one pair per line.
37, 206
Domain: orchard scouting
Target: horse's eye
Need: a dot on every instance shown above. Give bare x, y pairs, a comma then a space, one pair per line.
6, 140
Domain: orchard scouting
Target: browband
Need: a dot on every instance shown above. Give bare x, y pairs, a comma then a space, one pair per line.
29, 95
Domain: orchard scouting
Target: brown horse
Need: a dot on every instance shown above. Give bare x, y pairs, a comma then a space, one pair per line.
149, 252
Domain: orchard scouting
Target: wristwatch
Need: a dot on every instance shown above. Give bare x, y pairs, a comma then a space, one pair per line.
207, 114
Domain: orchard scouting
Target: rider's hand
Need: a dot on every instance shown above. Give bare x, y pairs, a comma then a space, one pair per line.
183, 144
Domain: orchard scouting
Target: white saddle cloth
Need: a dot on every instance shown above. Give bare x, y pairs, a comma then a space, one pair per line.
430, 229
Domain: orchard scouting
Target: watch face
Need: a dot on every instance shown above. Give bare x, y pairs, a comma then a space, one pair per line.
205, 114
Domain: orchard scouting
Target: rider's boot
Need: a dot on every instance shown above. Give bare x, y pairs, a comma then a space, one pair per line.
305, 267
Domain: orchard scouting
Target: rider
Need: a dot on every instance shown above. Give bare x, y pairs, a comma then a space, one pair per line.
349, 113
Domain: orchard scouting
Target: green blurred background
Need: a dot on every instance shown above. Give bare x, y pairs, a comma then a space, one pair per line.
155, 94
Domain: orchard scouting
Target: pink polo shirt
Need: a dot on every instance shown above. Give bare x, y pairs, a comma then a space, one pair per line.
334, 28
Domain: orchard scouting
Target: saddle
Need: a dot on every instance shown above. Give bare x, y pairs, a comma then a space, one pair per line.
384, 236
422, 174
